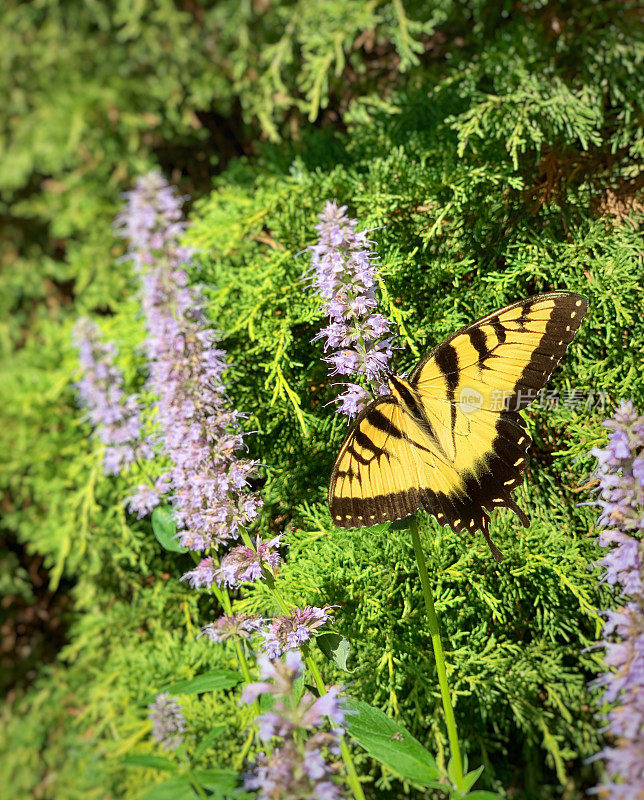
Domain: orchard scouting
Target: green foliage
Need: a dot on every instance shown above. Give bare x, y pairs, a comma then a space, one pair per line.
456, 240
207, 682
165, 529
495, 156
390, 744
88, 717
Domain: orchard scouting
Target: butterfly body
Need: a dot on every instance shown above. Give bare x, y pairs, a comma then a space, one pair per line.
442, 440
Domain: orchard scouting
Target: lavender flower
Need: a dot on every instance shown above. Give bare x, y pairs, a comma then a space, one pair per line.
295, 772
241, 626
168, 723
114, 416
152, 221
299, 767
203, 574
622, 503
146, 498
245, 564
620, 471
289, 632
200, 433
345, 276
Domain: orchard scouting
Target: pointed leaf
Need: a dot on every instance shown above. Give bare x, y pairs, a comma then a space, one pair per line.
266, 702
212, 681
402, 524
390, 744
220, 781
174, 789
210, 737
154, 762
165, 529
335, 647
451, 774
298, 688
470, 778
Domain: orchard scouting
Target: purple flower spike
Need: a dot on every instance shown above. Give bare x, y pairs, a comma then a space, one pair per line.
245, 564
299, 767
146, 498
202, 575
168, 724
290, 631
240, 626
152, 221
345, 277
622, 518
200, 433
114, 416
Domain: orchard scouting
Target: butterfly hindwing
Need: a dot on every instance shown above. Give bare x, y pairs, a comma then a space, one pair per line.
463, 446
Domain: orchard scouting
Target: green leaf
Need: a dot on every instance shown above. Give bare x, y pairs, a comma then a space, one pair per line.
220, 781
390, 744
155, 762
210, 737
299, 684
481, 794
165, 529
266, 702
212, 681
174, 789
335, 647
470, 778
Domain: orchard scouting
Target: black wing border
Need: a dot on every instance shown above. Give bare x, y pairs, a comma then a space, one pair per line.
558, 294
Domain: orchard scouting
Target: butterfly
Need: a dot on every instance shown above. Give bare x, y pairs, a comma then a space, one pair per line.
449, 438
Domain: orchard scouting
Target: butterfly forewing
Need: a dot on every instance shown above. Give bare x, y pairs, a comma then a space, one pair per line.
471, 452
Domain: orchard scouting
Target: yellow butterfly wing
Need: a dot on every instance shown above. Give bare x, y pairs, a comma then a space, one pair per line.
468, 452
376, 477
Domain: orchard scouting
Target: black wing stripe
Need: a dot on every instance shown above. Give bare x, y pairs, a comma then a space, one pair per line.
383, 424
366, 443
499, 330
478, 342
359, 458
447, 360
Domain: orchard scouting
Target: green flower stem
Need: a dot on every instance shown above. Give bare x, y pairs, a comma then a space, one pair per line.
243, 753
224, 600
185, 759
144, 472
270, 583
195, 784
439, 655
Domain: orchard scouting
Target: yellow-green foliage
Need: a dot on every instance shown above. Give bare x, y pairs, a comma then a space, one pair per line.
516, 631
494, 155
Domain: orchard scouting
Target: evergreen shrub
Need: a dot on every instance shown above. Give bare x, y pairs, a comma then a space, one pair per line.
493, 151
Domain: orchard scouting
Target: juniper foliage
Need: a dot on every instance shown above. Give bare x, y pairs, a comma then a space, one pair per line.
495, 152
